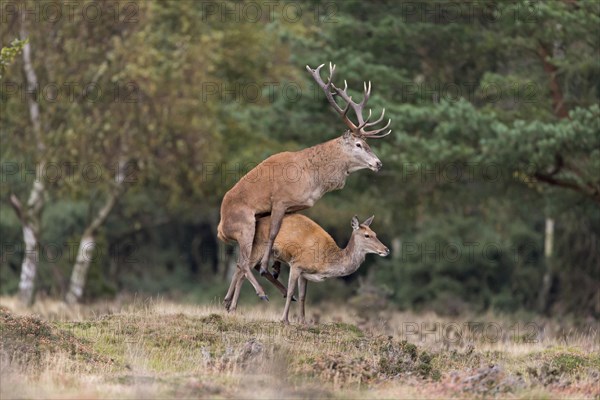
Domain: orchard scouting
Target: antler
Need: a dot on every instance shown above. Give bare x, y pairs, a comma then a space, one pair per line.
363, 124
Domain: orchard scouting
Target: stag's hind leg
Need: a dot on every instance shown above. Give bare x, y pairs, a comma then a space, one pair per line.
233, 294
237, 281
227, 301
245, 240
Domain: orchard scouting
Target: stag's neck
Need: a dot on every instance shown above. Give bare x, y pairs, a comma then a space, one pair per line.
329, 164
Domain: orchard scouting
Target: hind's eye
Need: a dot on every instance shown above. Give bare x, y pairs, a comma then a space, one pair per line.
359, 145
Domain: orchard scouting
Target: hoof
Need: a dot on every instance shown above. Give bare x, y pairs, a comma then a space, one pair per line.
227, 304
264, 272
275, 274
285, 322
265, 297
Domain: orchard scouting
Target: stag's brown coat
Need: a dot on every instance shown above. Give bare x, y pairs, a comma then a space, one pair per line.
291, 181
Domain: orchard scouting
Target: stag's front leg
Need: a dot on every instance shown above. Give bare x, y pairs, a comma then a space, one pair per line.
277, 214
274, 281
276, 269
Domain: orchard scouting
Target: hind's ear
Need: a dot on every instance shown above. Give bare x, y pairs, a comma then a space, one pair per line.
368, 221
355, 222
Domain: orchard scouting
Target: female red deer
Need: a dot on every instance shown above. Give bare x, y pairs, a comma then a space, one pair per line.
291, 181
311, 253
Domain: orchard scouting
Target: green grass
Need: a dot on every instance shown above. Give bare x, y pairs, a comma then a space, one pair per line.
173, 350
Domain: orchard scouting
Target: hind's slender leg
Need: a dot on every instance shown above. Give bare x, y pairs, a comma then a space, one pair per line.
294, 274
302, 283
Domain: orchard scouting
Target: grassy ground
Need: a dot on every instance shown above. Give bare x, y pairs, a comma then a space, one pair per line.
159, 349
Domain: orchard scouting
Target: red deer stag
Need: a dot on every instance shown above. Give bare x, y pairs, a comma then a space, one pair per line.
311, 253
291, 181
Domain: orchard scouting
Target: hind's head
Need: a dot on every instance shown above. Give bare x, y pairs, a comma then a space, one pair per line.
366, 239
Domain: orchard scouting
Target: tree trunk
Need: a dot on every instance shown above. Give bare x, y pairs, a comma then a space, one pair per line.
30, 214
548, 274
30, 262
81, 267
88, 240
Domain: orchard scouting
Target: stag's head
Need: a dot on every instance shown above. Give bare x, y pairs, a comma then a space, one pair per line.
354, 139
359, 153
365, 239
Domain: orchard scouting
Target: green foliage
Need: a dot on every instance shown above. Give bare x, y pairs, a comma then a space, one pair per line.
567, 362
8, 53
495, 127
457, 263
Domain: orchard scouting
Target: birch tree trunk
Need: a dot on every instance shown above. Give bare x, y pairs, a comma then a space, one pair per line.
88, 241
30, 214
548, 273
30, 221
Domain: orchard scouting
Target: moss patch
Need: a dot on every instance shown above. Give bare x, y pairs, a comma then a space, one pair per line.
28, 339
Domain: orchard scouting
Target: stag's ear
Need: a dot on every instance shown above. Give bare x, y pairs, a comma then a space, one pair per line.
347, 136
368, 221
355, 223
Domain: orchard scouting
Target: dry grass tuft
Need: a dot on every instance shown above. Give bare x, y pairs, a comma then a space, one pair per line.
154, 348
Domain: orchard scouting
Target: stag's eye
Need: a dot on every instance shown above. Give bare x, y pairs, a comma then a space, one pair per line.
367, 235
359, 145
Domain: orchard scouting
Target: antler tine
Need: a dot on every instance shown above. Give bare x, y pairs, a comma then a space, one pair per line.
331, 91
316, 74
367, 91
373, 134
331, 74
376, 122
380, 136
361, 126
348, 99
326, 87
346, 109
357, 107
316, 71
